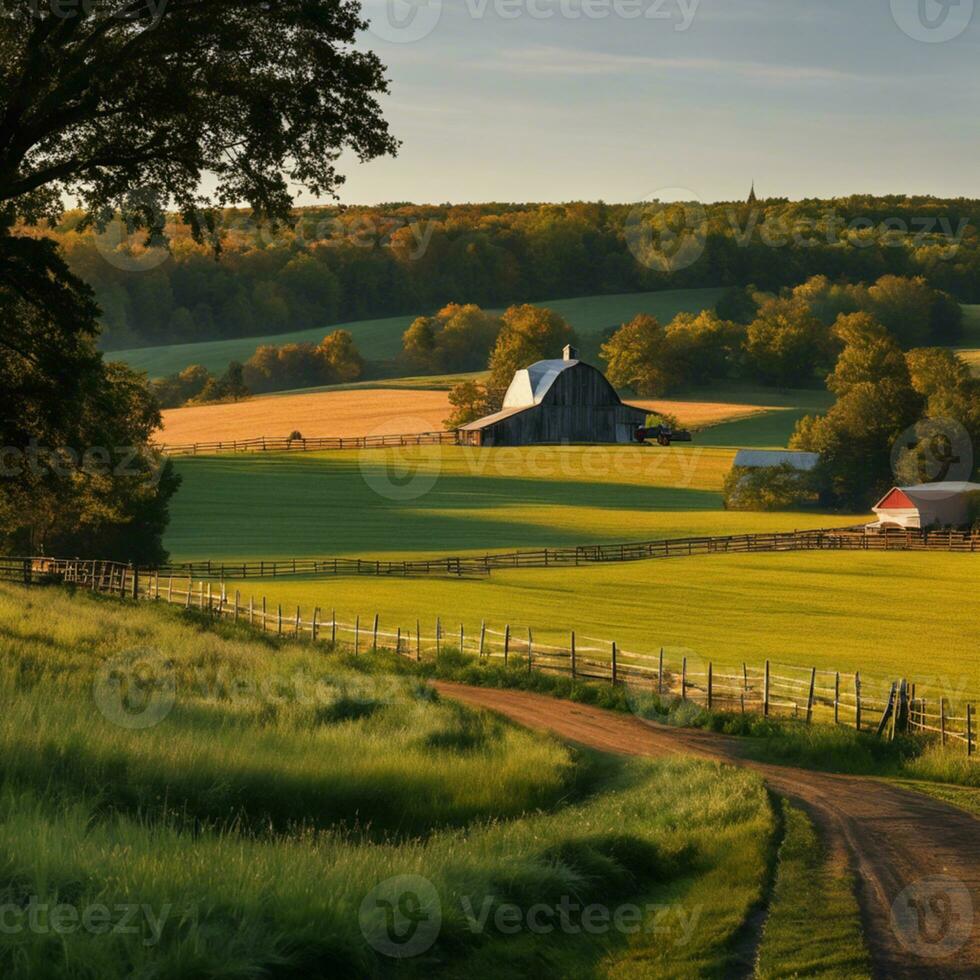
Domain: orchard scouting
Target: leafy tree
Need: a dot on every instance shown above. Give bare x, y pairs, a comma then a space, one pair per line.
177, 389
703, 347
457, 338
870, 354
737, 304
233, 382
125, 105
638, 357
767, 488
951, 392
469, 402
339, 359
786, 343
529, 334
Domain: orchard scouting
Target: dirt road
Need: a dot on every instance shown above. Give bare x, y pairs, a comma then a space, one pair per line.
893, 839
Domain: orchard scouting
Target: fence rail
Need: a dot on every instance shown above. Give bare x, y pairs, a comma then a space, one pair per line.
774, 689
276, 444
834, 539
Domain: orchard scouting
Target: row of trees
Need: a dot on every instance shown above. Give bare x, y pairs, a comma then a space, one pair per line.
786, 340
329, 265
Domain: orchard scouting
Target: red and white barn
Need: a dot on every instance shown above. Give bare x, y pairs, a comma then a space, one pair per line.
925, 505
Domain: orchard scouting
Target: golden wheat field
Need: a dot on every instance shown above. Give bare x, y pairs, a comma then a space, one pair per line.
371, 411
366, 411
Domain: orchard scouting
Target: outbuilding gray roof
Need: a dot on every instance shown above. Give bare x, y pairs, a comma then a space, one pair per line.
531, 384
758, 458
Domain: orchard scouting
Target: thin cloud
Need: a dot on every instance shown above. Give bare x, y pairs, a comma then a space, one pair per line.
569, 61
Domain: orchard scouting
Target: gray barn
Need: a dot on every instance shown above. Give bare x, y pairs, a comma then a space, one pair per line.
557, 402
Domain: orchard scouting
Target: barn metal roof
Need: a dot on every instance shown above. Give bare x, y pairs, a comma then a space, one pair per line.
757, 458
922, 493
531, 384
490, 419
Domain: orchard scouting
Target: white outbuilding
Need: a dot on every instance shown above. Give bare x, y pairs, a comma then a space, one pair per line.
925, 505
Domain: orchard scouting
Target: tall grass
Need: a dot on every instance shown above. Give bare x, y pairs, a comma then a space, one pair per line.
249, 826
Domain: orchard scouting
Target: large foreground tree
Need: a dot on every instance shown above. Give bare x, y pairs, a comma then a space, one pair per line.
135, 107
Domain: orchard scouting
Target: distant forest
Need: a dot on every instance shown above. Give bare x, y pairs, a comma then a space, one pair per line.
338, 264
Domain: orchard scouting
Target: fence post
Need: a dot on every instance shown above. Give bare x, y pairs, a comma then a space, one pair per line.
529, 649
684, 679
969, 729
238, 597
614, 667
418, 640
710, 680
170, 590
398, 640
296, 629
438, 633
136, 583
314, 625
810, 693
836, 697
765, 692
375, 640
357, 634
506, 643
857, 701
209, 597
660, 672
333, 628
483, 636
572, 652
745, 679
942, 720
279, 619
462, 638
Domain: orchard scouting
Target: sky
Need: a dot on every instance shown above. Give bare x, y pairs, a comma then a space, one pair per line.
624, 100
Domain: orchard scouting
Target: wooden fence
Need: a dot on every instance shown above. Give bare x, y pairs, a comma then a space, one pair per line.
774, 689
274, 444
838, 539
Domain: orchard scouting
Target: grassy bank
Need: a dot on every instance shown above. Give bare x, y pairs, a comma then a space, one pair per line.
247, 803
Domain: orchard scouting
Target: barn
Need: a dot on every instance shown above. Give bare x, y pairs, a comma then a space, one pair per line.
926, 505
557, 401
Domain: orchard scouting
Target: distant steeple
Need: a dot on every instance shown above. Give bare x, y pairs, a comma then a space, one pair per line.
752, 198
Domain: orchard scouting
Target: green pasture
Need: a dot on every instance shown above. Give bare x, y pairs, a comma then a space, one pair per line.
251, 801
844, 611
434, 500
380, 340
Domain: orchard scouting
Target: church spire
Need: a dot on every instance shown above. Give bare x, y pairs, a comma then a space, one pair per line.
752, 198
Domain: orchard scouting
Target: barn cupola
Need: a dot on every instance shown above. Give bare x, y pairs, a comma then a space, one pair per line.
569, 353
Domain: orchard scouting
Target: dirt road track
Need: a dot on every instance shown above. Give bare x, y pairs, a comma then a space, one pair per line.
891, 837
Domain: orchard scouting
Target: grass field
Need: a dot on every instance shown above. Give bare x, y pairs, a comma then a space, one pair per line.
448, 500
381, 340
840, 611
257, 808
